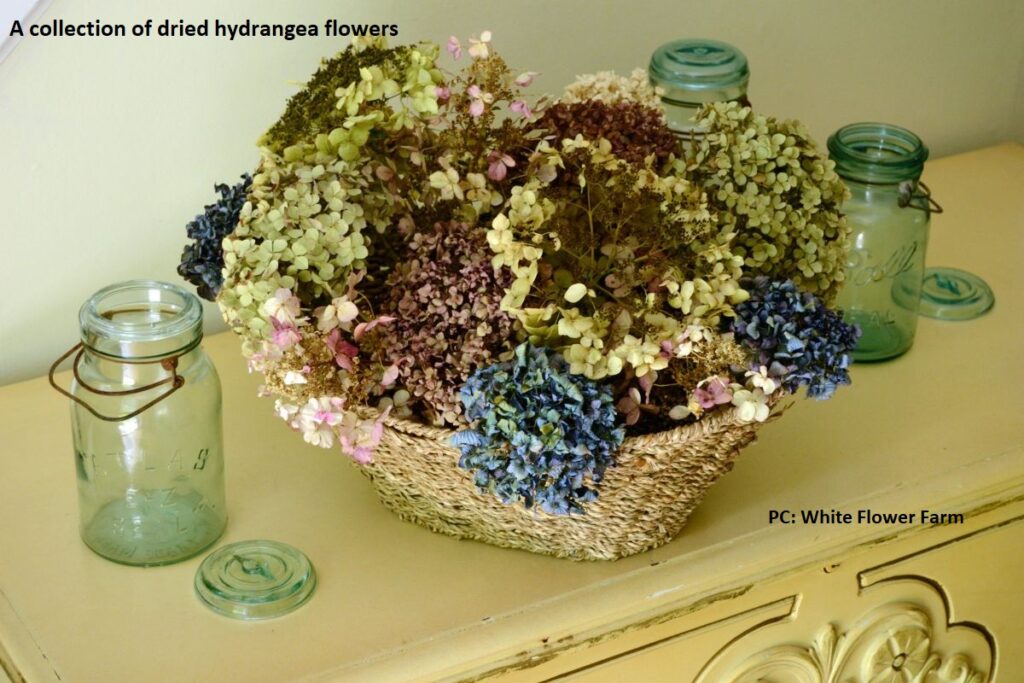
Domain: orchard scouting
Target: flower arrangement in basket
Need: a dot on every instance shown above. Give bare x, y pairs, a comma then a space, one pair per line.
544, 324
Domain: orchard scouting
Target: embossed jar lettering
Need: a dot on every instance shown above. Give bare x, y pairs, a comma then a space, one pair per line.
862, 268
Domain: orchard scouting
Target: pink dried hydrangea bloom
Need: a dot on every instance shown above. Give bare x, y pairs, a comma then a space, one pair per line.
445, 298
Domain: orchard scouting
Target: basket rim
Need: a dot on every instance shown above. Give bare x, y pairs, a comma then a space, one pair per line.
719, 419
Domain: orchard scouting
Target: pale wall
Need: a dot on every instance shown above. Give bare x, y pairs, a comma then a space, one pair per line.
109, 147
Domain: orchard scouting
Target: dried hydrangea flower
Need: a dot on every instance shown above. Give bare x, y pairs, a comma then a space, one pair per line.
713, 392
322, 419
751, 406
795, 336
445, 298
635, 131
541, 435
607, 86
202, 261
777, 193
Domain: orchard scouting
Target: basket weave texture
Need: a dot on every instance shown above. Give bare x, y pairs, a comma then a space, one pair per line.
643, 502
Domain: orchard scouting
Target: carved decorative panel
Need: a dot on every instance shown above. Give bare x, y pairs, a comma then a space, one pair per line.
892, 644
904, 641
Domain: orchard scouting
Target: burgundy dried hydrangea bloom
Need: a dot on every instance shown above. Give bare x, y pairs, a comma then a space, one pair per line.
446, 299
634, 131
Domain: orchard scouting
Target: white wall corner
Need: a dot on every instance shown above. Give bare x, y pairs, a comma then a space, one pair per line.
25, 11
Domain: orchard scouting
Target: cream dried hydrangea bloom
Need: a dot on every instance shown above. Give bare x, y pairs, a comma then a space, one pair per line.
609, 87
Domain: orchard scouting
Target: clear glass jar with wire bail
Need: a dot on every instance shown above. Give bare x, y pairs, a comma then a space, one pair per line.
146, 426
889, 212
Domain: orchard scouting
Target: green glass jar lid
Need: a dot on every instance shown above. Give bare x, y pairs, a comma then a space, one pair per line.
952, 294
697, 70
255, 579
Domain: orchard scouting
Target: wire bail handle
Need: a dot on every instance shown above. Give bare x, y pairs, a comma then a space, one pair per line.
908, 193
170, 364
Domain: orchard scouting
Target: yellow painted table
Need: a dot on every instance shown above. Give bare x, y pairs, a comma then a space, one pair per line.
733, 598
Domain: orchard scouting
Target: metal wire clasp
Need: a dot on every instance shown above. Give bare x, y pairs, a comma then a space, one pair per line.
169, 364
908, 195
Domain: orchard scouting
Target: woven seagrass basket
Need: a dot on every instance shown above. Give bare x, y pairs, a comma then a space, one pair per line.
657, 481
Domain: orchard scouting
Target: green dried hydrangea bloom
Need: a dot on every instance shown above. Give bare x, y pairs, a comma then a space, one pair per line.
321, 190
301, 225
313, 109
611, 262
771, 186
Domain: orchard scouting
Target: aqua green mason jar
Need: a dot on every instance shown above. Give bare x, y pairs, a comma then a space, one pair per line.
146, 426
889, 212
695, 71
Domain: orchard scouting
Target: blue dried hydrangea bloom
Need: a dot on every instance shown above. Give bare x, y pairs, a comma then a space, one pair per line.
542, 436
796, 336
202, 261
